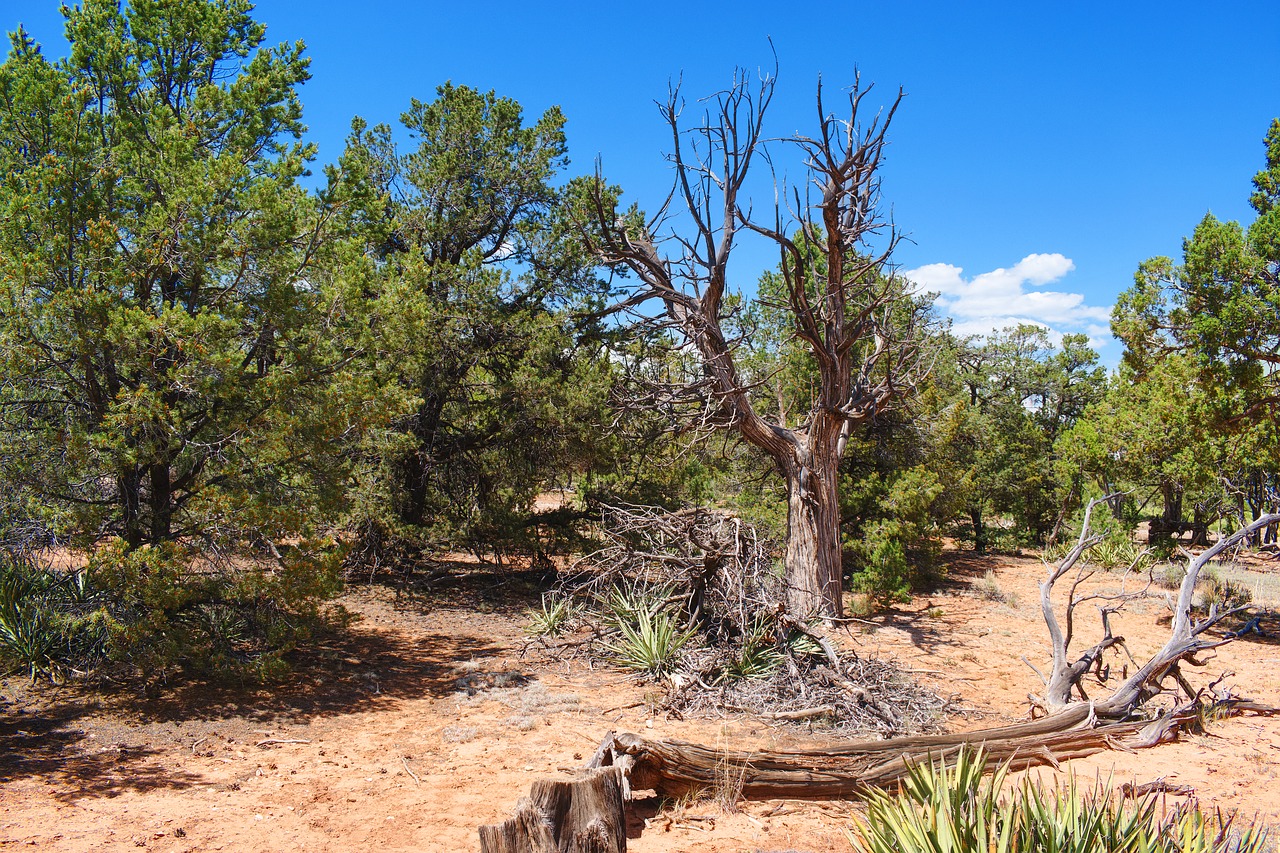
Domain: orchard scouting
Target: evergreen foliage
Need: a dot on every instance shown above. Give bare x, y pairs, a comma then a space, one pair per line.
217, 383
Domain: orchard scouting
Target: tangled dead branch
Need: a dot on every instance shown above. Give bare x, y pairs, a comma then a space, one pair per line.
1188, 633
693, 598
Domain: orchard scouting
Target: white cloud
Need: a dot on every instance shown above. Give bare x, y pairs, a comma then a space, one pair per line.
1003, 297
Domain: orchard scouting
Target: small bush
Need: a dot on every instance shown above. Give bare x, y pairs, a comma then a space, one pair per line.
989, 588
1221, 592
886, 575
1170, 575
1055, 551
170, 615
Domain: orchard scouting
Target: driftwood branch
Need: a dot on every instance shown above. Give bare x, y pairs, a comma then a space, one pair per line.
1187, 633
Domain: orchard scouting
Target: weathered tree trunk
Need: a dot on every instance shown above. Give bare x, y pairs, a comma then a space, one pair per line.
674, 768
129, 485
415, 472
585, 816
979, 529
161, 502
1171, 511
814, 568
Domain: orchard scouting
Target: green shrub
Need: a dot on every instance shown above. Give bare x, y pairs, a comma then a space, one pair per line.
1055, 551
944, 808
155, 611
1170, 575
898, 550
886, 576
178, 615
1014, 542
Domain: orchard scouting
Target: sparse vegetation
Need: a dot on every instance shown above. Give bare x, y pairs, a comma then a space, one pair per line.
988, 587
1219, 593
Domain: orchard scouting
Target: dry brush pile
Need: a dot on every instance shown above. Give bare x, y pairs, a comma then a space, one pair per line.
693, 600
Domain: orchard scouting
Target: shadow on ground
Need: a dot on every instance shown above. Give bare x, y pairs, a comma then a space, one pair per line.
50, 745
416, 642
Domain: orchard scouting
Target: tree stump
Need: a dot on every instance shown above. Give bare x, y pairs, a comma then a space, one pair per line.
583, 816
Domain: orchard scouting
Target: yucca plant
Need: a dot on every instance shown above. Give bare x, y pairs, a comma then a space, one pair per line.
651, 641
30, 636
623, 604
551, 618
758, 656
950, 808
800, 644
1114, 553
30, 633
940, 808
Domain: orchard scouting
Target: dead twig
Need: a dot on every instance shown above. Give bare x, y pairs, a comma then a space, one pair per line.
1158, 786
272, 741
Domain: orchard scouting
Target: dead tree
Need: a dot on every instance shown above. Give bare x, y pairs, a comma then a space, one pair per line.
855, 318
1071, 729
1065, 674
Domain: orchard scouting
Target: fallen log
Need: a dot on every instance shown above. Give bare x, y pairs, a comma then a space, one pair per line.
582, 816
674, 768
587, 815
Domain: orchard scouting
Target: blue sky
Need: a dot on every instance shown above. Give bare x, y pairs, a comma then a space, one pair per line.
1042, 152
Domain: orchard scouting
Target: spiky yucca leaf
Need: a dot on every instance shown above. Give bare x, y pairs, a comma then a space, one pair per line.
950, 808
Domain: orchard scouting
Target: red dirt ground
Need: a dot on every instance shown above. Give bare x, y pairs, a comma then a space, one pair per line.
427, 720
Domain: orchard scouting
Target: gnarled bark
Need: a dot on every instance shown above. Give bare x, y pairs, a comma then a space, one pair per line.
583, 816
674, 768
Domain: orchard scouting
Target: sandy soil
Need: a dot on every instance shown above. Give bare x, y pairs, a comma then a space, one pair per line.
428, 721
